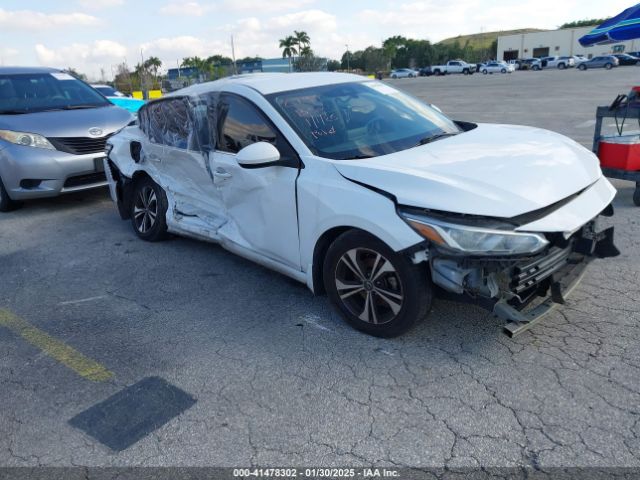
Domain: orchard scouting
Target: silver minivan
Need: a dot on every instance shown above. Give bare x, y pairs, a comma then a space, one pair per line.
53, 132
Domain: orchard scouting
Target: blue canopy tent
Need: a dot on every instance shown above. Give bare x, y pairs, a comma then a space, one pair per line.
625, 26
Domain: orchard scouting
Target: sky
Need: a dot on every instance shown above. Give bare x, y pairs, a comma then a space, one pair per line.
93, 36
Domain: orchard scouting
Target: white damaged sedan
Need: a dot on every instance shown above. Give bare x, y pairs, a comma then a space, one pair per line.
366, 194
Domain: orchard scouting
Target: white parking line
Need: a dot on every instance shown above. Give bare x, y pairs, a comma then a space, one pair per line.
314, 320
84, 300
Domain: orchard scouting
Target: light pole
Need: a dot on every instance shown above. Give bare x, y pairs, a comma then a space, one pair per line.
348, 61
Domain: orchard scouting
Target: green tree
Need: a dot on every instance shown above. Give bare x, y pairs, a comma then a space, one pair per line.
301, 39
584, 23
288, 46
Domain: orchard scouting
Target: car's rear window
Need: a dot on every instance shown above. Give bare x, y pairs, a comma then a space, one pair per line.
38, 92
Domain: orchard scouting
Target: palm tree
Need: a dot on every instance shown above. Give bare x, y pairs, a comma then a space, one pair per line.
153, 65
288, 46
302, 39
306, 51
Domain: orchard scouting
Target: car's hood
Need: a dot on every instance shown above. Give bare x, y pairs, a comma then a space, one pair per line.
494, 170
68, 123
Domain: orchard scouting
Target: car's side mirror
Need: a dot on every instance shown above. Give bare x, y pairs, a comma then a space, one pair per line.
256, 155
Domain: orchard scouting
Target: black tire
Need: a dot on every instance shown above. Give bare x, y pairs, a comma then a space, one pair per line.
636, 195
608, 66
562, 66
504, 70
536, 68
6, 204
149, 210
394, 76
582, 67
465, 71
390, 291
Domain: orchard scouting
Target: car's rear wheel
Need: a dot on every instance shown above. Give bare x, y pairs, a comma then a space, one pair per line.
484, 72
582, 67
536, 68
6, 204
377, 290
149, 211
608, 66
562, 66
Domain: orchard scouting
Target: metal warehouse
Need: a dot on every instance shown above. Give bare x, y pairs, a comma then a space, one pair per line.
556, 42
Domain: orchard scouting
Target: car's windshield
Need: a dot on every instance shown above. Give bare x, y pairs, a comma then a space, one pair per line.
38, 92
360, 120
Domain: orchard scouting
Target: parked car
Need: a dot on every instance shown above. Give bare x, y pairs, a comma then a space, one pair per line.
404, 73
425, 72
108, 90
578, 59
497, 67
515, 64
363, 192
132, 105
119, 99
454, 66
531, 64
603, 61
626, 59
560, 63
53, 131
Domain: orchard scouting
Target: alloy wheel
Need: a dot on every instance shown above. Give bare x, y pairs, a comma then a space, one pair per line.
145, 209
369, 286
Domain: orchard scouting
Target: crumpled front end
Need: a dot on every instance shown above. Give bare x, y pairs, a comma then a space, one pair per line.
530, 263
522, 290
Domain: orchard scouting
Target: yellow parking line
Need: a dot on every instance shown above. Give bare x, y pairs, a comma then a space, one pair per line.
83, 366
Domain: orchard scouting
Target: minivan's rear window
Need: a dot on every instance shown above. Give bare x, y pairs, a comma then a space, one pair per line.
39, 92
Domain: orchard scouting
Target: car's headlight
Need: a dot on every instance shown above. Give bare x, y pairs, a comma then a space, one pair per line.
476, 240
26, 139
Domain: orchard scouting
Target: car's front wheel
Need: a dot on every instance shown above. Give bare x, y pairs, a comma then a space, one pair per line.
582, 67
6, 204
149, 211
377, 290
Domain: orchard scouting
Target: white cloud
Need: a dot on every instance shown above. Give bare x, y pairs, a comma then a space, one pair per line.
7, 54
32, 20
172, 49
184, 8
87, 58
99, 4
263, 6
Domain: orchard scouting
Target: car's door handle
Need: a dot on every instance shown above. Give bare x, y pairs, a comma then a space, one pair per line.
222, 174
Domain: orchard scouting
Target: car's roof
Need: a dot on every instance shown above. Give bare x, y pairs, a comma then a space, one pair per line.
101, 85
267, 83
19, 70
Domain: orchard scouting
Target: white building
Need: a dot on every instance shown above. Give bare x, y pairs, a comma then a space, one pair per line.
556, 42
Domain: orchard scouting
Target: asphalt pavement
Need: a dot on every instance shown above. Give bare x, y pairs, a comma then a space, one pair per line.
272, 376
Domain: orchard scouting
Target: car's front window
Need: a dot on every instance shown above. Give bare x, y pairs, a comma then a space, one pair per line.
38, 92
360, 119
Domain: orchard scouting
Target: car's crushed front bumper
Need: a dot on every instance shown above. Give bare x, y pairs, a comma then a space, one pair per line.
522, 291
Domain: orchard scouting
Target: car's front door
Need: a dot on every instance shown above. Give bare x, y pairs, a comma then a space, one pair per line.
178, 158
260, 203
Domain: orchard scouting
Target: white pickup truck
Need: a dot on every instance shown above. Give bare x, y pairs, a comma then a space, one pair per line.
454, 66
